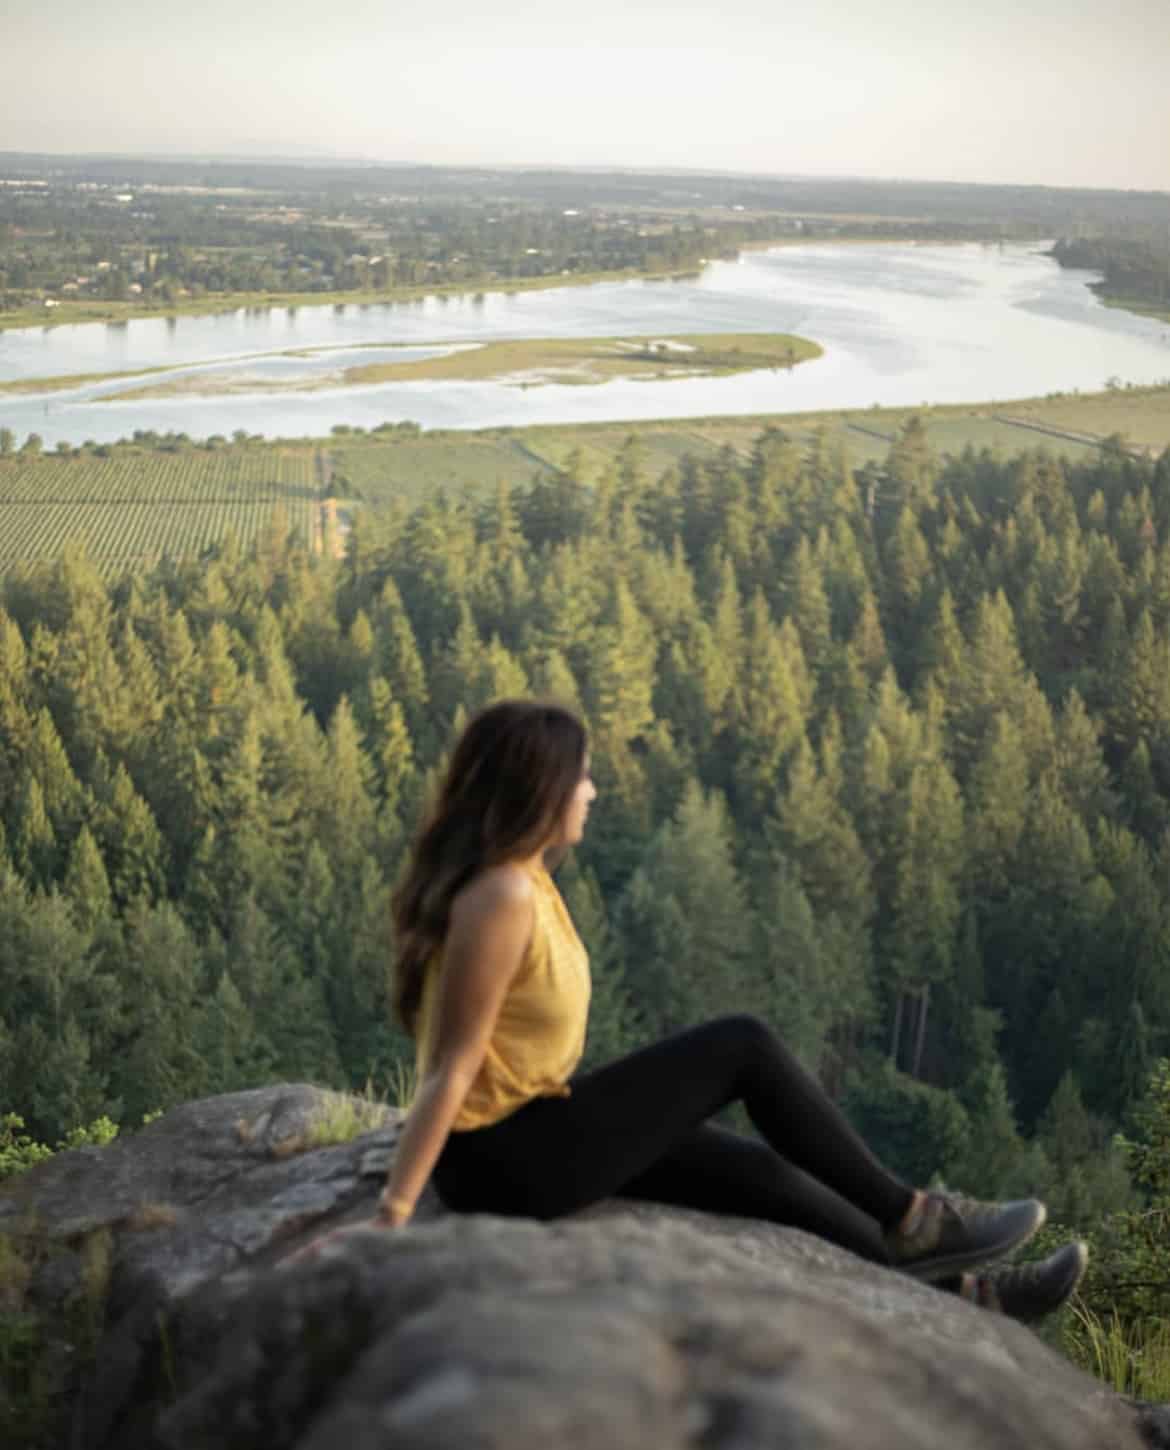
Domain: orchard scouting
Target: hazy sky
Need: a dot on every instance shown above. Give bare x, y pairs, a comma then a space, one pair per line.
1063, 92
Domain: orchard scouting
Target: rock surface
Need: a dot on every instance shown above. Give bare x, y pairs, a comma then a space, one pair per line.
630, 1324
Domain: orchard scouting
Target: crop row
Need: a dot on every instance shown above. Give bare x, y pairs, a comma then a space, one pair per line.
265, 475
30, 531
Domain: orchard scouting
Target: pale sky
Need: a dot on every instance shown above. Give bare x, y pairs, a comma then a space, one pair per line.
1058, 92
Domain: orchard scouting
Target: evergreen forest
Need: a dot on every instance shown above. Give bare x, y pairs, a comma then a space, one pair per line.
883, 756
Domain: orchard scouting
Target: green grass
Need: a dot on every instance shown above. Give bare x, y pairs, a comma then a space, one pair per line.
526, 362
1133, 1360
598, 359
1141, 414
403, 1085
339, 1118
661, 448
414, 468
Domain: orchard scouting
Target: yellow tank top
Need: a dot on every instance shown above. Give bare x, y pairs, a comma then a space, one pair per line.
539, 1035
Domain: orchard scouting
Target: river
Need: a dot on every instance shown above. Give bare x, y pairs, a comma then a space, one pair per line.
900, 324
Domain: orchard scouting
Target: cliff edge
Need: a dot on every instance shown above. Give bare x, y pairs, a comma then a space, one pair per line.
630, 1324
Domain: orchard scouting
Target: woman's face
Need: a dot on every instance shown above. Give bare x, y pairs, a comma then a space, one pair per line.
572, 826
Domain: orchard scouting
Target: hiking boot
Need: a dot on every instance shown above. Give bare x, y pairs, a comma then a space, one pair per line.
955, 1233
1030, 1291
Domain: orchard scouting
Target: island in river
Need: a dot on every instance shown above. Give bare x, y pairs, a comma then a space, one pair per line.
524, 362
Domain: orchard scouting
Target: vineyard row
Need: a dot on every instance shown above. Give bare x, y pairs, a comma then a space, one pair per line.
32, 531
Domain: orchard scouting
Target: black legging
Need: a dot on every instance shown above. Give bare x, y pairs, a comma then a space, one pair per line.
637, 1128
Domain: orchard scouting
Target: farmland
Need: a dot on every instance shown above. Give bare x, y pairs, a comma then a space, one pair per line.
137, 505
374, 473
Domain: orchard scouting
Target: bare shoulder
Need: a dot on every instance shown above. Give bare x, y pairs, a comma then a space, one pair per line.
497, 890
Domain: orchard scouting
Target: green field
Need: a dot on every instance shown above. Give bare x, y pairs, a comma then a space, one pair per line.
1141, 415
138, 505
376, 472
191, 476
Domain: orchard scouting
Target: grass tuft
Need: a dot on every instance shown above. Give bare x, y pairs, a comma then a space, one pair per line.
1132, 1359
339, 1118
403, 1085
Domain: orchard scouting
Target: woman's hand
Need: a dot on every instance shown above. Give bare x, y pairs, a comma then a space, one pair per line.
392, 1212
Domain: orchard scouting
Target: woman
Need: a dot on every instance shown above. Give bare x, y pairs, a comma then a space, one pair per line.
492, 980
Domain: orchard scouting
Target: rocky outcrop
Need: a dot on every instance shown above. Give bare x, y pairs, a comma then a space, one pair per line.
630, 1324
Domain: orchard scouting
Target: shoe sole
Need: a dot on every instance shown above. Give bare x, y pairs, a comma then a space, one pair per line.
1018, 1231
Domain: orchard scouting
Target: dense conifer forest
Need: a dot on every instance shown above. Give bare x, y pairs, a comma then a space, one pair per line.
883, 756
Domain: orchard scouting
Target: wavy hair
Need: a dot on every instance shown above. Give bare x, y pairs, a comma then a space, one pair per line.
509, 781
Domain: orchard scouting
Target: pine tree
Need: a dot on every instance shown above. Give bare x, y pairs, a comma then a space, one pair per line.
994, 1146
157, 1064
923, 907
290, 1006
684, 964
400, 662
1083, 772
811, 972
387, 743
56, 1009
998, 799
131, 844
910, 467
808, 604
869, 639
908, 589
218, 684
943, 653
46, 759
614, 1026
347, 812
620, 689
34, 844
86, 885
811, 830
552, 678
694, 687
771, 719
994, 681
1142, 709
500, 676
455, 668
235, 1055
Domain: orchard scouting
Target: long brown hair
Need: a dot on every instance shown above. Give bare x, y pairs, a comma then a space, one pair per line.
509, 781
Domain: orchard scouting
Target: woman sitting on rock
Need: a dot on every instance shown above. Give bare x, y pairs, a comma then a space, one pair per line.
493, 982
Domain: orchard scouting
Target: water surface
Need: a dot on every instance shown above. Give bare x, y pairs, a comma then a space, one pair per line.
900, 324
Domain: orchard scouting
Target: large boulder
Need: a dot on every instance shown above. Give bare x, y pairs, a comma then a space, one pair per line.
630, 1324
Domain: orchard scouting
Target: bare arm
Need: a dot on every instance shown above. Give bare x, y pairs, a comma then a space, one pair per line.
491, 923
